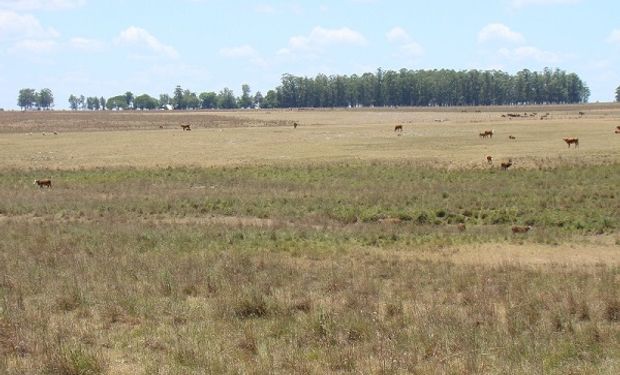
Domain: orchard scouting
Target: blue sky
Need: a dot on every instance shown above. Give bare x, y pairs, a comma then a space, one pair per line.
104, 48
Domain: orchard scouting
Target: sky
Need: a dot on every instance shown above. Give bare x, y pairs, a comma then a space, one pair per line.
105, 48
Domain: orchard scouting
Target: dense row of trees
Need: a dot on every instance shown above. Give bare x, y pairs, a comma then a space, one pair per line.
30, 98
432, 88
383, 88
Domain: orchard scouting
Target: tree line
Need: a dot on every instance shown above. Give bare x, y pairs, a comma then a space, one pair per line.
432, 88
383, 88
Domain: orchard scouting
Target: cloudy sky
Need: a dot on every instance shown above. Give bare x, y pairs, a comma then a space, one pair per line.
104, 48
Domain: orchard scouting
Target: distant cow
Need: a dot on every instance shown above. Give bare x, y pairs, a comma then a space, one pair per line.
521, 229
617, 131
505, 166
483, 135
489, 133
571, 140
489, 159
398, 128
512, 137
187, 127
43, 183
295, 125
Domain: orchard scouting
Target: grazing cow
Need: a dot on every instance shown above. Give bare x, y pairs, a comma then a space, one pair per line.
512, 137
489, 159
521, 229
186, 127
398, 128
482, 135
571, 140
489, 133
295, 125
43, 183
581, 113
505, 166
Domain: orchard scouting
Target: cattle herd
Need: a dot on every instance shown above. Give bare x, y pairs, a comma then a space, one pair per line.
488, 133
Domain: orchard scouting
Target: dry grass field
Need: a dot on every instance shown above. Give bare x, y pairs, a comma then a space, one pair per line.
444, 138
245, 246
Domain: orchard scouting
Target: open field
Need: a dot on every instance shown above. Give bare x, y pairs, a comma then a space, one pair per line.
257, 137
247, 246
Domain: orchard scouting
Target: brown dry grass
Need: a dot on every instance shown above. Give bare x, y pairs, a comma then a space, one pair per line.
88, 140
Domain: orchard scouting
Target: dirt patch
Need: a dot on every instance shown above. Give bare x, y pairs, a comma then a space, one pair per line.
599, 251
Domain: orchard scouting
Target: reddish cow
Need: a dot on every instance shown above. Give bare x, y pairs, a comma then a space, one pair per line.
571, 140
43, 183
521, 229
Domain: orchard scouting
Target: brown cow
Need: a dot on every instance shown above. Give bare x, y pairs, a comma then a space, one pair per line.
489, 159
186, 127
43, 183
618, 127
482, 135
461, 227
512, 137
505, 166
398, 128
295, 125
489, 133
617, 131
521, 229
571, 140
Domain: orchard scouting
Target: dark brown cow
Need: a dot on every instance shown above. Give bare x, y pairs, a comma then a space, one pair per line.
489, 159
43, 183
489, 133
512, 137
571, 140
398, 128
521, 229
295, 125
505, 166
187, 127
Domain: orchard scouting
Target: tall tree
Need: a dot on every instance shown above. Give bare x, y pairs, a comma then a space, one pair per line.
177, 99
45, 99
246, 100
258, 99
27, 98
102, 103
129, 99
73, 102
208, 100
226, 99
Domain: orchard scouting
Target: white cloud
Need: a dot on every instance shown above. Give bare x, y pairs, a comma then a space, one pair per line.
14, 25
31, 46
22, 5
500, 32
243, 52
138, 36
320, 38
524, 3
397, 35
85, 44
614, 36
408, 47
530, 53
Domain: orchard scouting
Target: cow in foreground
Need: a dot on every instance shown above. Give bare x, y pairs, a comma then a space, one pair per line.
43, 183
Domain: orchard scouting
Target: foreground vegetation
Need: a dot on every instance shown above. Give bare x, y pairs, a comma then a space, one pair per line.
309, 268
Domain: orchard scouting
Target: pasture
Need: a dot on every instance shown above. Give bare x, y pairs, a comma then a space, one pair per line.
339, 246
